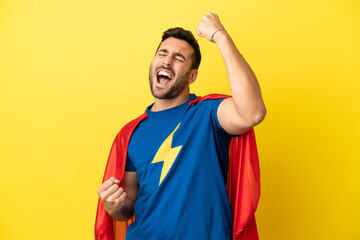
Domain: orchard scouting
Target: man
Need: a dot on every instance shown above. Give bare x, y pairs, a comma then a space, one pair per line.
177, 157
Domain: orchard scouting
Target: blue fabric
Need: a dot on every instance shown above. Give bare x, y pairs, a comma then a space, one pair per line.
192, 197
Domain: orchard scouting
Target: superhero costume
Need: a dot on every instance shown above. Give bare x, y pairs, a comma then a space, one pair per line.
243, 182
181, 159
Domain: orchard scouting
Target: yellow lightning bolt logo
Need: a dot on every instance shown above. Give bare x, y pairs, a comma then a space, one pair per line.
166, 154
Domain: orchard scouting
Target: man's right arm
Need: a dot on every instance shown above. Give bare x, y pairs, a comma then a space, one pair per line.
119, 201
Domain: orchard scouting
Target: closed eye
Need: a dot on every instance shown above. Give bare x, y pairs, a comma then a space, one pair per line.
162, 52
179, 56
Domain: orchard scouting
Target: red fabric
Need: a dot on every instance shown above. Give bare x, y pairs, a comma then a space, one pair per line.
243, 182
104, 224
244, 185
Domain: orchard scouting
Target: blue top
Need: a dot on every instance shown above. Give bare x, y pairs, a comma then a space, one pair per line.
181, 158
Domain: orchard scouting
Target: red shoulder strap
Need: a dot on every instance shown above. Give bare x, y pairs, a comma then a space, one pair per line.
207, 97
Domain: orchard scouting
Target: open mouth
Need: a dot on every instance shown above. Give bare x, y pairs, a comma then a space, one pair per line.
164, 77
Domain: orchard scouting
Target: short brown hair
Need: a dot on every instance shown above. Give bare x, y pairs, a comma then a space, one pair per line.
187, 36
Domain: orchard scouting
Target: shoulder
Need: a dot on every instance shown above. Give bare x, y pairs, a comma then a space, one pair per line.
133, 123
127, 129
210, 102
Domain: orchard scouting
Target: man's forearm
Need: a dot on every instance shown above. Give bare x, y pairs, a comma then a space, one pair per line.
244, 86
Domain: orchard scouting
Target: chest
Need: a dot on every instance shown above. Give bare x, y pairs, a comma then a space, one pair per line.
182, 146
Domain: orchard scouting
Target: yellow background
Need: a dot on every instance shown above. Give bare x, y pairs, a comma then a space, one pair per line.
73, 72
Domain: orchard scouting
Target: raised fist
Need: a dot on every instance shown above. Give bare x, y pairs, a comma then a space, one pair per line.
208, 26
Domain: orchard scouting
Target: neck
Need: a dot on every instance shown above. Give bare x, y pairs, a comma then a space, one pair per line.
163, 104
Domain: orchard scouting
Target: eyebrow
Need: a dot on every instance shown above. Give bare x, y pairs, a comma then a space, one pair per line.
176, 54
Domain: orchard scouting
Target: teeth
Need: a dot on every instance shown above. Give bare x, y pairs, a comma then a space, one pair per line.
164, 74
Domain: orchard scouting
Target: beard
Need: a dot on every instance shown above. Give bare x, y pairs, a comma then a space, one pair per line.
178, 86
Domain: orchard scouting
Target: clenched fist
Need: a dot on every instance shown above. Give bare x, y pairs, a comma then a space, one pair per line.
210, 26
112, 196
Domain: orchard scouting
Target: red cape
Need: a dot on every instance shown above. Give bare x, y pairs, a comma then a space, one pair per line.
243, 183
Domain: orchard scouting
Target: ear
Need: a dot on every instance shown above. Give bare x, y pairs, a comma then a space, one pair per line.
193, 76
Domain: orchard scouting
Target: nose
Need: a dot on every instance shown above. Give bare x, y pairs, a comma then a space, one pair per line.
168, 61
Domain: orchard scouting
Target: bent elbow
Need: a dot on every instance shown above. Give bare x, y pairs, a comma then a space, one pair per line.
258, 117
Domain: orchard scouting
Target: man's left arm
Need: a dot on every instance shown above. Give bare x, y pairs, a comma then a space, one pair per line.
245, 108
